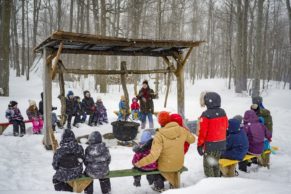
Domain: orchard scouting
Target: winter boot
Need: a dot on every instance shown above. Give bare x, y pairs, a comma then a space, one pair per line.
136, 181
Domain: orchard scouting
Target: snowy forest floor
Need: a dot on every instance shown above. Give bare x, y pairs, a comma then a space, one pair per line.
25, 166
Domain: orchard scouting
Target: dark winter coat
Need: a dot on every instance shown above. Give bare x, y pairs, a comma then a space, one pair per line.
256, 132
146, 106
13, 114
100, 108
78, 108
33, 113
70, 106
237, 143
40, 104
68, 159
213, 124
97, 157
88, 105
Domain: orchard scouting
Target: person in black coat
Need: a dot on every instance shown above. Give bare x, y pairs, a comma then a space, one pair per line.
78, 111
55, 121
97, 160
14, 116
69, 108
67, 161
89, 107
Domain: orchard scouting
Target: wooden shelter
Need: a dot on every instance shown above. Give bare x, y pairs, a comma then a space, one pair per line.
75, 43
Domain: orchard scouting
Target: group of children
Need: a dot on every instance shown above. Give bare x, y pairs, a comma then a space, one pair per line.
234, 138
123, 113
80, 109
15, 117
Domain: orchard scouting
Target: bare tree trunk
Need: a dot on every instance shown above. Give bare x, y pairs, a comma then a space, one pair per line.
15, 34
103, 84
36, 8
258, 55
59, 11
5, 42
23, 62
244, 63
238, 73
289, 16
27, 39
71, 16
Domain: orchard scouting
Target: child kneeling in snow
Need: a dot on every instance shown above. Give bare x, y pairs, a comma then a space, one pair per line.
34, 115
141, 151
97, 160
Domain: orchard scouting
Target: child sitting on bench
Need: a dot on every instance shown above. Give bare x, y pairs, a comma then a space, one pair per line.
14, 116
256, 133
142, 150
97, 160
237, 146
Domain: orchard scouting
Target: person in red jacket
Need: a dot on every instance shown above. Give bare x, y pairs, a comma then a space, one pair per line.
178, 119
212, 134
134, 108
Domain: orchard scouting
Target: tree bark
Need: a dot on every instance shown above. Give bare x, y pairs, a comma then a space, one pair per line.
23, 62
5, 40
289, 16
258, 55
15, 34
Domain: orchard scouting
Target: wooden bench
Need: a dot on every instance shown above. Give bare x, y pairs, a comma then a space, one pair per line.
81, 183
3, 126
232, 163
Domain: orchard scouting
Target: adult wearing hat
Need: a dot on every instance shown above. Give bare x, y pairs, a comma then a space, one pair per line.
168, 149
146, 96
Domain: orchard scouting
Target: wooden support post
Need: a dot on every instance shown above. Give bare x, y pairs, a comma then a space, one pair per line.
168, 89
47, 98
56, 61
123, 83
62, 93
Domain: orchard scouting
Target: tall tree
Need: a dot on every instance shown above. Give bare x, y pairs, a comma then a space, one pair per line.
258, 52
103, 84
289, 16
23, 61
15, 34
4, 42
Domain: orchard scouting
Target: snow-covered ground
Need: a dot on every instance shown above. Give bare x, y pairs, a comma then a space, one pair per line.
25, 166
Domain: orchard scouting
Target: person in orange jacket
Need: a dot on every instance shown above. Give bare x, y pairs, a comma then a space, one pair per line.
212, 134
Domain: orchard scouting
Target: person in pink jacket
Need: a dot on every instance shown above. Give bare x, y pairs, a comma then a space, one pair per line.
142, 150
34, 115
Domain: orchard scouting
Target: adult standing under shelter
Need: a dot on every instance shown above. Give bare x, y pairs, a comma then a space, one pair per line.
146, 96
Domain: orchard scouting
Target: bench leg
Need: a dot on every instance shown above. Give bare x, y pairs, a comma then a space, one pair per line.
228, 171
2, 128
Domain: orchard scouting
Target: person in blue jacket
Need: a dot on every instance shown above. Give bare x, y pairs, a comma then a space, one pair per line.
237, 145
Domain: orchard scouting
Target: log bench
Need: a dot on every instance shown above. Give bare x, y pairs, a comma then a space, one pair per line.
81, 183
3, 126
223, 163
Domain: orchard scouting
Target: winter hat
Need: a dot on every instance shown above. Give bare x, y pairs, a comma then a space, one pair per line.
176, 118
257, 100
70, 93
122, 98
32, 103
233, 124
68, 136
134, 99
95, 138
163, 118
13, 103
239, 118
145, 82
212, 100
99, 98
145, 137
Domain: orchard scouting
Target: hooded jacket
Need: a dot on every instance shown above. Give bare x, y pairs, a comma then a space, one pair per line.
88, 104
68, 159
237, 143
168, 148
256, 132
97, 157
146, 106
213, 124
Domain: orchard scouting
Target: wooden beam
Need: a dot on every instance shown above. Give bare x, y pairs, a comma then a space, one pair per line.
118, 53
47, 97
56, 61
116, 72
180, 60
